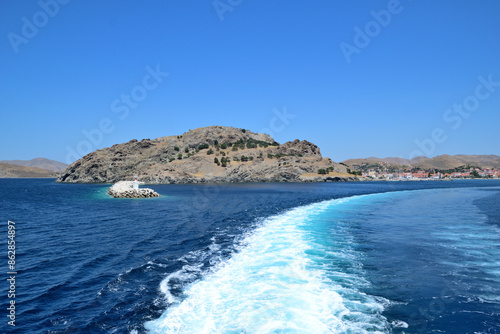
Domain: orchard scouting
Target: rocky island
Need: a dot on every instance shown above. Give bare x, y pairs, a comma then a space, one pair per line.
214, 154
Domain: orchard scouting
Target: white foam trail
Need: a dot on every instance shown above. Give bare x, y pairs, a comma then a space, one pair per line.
187, 273
272, 285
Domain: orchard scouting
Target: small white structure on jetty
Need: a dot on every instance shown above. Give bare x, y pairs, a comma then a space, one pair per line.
136, 183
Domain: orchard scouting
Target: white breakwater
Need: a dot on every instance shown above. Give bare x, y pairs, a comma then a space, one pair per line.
123, 189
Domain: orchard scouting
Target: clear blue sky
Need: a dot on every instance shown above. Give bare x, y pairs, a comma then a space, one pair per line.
69, 68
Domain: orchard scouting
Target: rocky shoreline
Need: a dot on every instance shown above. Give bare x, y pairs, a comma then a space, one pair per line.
123, 189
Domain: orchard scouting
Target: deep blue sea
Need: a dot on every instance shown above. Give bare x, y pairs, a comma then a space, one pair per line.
357, 257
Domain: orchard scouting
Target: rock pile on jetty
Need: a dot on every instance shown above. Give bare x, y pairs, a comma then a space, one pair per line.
123, 189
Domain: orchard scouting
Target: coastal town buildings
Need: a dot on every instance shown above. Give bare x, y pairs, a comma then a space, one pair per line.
381, 174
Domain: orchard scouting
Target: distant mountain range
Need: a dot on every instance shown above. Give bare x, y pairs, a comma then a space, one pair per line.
39, 167
14, 171
43, 163
442, 162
